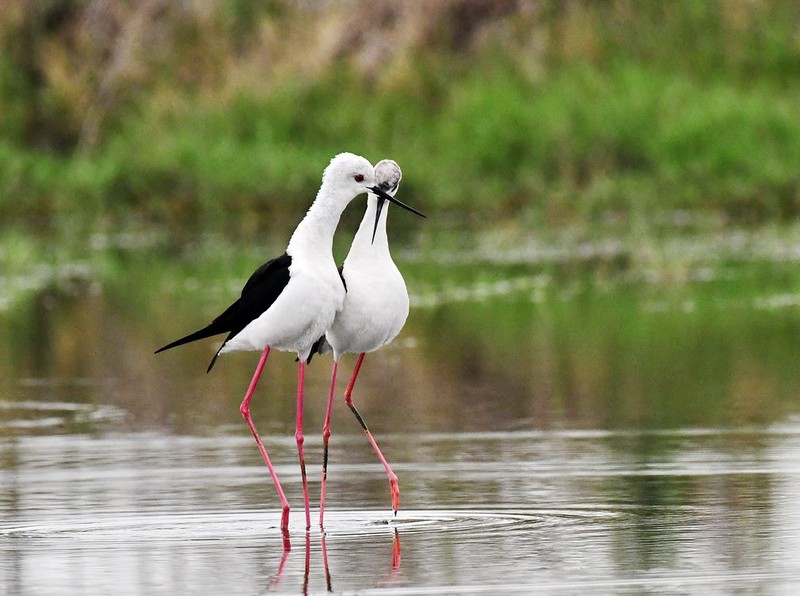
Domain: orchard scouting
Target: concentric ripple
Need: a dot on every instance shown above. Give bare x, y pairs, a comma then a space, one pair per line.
263, 524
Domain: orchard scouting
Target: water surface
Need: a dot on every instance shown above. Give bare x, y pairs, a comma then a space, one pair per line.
515, 511
564, 415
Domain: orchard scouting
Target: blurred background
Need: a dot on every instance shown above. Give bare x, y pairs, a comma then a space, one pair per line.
601, 355
612, 191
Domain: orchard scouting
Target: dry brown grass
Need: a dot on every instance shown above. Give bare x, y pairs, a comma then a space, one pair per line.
89, 60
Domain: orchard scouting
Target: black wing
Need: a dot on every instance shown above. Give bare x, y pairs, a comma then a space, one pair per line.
258, 294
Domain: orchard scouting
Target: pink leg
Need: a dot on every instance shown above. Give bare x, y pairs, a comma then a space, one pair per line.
245, 410
298, 435
395, 489
326, 434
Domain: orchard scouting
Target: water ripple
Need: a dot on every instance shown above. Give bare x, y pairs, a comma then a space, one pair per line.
263, 524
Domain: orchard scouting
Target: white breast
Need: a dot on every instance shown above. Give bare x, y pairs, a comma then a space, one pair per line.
299, 316
375, 308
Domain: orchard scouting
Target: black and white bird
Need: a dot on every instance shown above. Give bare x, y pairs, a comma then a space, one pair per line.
375, 308
290, 301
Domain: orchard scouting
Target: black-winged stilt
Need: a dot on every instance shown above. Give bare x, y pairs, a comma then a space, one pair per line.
375, 309
289, 302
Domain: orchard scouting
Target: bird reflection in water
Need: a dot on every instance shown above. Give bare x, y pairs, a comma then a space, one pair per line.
287, 548
277, 579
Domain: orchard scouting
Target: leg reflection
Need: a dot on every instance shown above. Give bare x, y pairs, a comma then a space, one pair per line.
308, 563
287, 548
395, 569
396, 552
328, 582
387, 580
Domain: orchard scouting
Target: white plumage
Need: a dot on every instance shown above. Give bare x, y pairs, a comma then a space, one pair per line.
376, 304
375, 308
308, 304
290, 301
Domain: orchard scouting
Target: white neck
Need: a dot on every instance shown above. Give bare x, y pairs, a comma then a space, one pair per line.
314, 235
363, 238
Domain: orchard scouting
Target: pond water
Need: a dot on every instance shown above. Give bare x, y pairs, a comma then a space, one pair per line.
563, 416
703, 511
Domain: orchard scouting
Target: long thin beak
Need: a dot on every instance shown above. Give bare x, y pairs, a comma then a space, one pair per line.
381, 201
384, 196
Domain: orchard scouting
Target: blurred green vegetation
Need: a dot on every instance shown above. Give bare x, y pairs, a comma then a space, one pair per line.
557, 111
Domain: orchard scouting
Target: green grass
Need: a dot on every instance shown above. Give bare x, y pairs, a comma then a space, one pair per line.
584, 143
695, 111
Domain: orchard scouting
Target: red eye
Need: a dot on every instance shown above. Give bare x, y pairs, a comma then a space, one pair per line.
359, 177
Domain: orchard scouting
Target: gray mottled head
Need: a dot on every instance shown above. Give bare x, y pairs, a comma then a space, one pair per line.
388, 175
387, 181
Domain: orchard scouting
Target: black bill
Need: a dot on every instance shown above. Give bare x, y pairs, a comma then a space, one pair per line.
385, 196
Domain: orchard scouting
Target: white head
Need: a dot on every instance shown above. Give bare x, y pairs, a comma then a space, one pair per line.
345, 177
348, 175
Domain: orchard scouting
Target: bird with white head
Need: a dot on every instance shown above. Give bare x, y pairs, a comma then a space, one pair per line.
290, 301
375, 309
